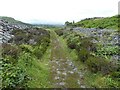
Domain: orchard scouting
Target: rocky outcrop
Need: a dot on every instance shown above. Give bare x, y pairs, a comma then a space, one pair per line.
105, 36
6, 29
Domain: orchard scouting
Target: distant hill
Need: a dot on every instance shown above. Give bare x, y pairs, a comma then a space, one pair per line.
12, 21
99, 22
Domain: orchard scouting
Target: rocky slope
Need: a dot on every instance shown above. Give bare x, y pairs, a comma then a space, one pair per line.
9, 24
105, 37
15, 23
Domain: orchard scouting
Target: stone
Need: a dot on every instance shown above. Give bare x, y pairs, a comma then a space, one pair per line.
64, 73
57, 78
58, 72
71, 72
62, 83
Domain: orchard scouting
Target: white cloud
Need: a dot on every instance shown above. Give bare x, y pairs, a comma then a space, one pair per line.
57, 11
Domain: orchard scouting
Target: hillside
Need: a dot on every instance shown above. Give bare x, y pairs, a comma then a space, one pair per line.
56, 57
99, 22
12, 21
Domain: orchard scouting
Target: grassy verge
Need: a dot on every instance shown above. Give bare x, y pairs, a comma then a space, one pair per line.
36, 69
91, 79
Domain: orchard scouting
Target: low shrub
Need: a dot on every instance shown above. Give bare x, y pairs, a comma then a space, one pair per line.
26, 48
108, 50
116, 75
111, 83
71, 45
87, 43
98, 64
59, 32
10, 50
38, 52
12, 75
105, 82
83, 54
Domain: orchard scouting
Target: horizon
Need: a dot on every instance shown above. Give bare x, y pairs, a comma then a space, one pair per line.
45, 23
57, 12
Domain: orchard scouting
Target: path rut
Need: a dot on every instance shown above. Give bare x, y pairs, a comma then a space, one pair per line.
64, 74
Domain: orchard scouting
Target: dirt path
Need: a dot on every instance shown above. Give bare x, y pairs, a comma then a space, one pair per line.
63, 72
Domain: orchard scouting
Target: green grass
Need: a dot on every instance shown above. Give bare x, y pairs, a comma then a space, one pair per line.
91, 79
37, 70
62, 52
107, 22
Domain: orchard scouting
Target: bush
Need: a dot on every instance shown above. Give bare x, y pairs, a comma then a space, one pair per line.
87, 43
116, 75
10, 50
71, 45
105, 82
83, 54
24, 36
108, 50
96, 64
59, 32
73, 42
45, 40
26, 48
38, 52
12, 75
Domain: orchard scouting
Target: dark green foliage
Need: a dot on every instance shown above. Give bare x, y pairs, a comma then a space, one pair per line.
87, 44
10, 50
116, 75
68, 23
26, 48
118, 23
96, 64
60, 32
101, 23
108, 50
20, 37
73, 41
86, 51
97, 53
97, 22
45, 40
37, 52
25, 36
83, 54
99, 64
83, 45
71, 44
12, 75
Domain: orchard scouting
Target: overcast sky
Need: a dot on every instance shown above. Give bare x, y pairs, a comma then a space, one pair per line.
57, 11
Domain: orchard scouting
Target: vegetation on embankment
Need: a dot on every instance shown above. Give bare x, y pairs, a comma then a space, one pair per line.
97, 22
26, 55
100, 72
23, 62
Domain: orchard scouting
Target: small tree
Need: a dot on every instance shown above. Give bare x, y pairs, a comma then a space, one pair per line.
68, 23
